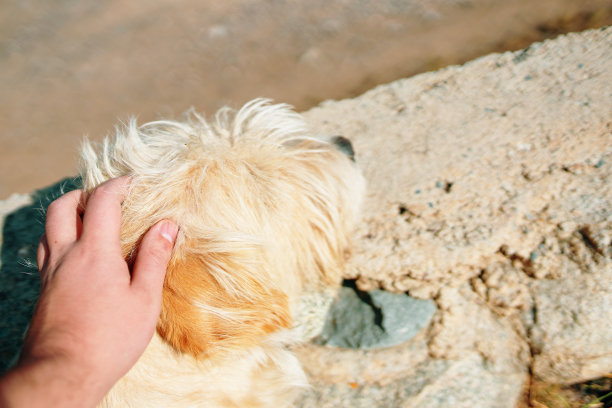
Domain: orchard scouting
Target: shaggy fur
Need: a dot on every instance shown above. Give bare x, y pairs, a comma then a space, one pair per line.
265, 208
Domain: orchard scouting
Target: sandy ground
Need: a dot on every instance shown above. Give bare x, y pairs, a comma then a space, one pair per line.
74, 68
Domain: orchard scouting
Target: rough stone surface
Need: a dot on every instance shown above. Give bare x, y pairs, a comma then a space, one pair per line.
571, 331
470, 160
490, 193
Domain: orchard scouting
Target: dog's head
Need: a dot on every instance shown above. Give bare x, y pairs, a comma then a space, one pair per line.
264, 208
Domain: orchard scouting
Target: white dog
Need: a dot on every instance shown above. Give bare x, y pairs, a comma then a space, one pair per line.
265, 208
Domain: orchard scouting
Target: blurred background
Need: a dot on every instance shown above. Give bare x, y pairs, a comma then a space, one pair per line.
70, 68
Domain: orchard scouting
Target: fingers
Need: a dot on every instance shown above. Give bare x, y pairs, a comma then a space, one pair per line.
153, 256
102, 220
63, 223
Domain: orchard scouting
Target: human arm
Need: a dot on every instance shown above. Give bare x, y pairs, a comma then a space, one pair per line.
94, 316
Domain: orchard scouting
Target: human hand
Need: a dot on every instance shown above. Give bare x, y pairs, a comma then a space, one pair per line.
94, 318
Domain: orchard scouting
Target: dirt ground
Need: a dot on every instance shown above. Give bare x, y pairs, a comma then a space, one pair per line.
75, 68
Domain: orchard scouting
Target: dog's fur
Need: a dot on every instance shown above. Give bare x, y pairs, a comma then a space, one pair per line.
265, 208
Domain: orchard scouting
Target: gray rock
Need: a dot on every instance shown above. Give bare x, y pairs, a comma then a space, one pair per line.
374, 319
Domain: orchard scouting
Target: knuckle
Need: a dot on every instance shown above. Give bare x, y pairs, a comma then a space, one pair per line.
155, 255
98, 191
54, 206
110, 190
155, 252
62, 203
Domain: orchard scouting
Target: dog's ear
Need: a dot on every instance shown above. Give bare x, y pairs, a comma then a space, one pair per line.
213, 303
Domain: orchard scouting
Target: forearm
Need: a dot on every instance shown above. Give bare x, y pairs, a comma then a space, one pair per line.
48, 383
95, 315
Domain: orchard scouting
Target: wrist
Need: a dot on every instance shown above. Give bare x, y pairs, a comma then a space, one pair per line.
45, 382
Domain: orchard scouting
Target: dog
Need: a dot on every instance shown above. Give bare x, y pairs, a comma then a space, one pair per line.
265, 208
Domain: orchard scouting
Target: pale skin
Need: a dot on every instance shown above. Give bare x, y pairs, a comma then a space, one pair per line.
95, 316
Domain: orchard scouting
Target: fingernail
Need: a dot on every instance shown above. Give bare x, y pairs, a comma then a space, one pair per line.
169, 230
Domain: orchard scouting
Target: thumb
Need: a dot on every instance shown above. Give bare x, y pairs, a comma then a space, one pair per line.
153, 256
